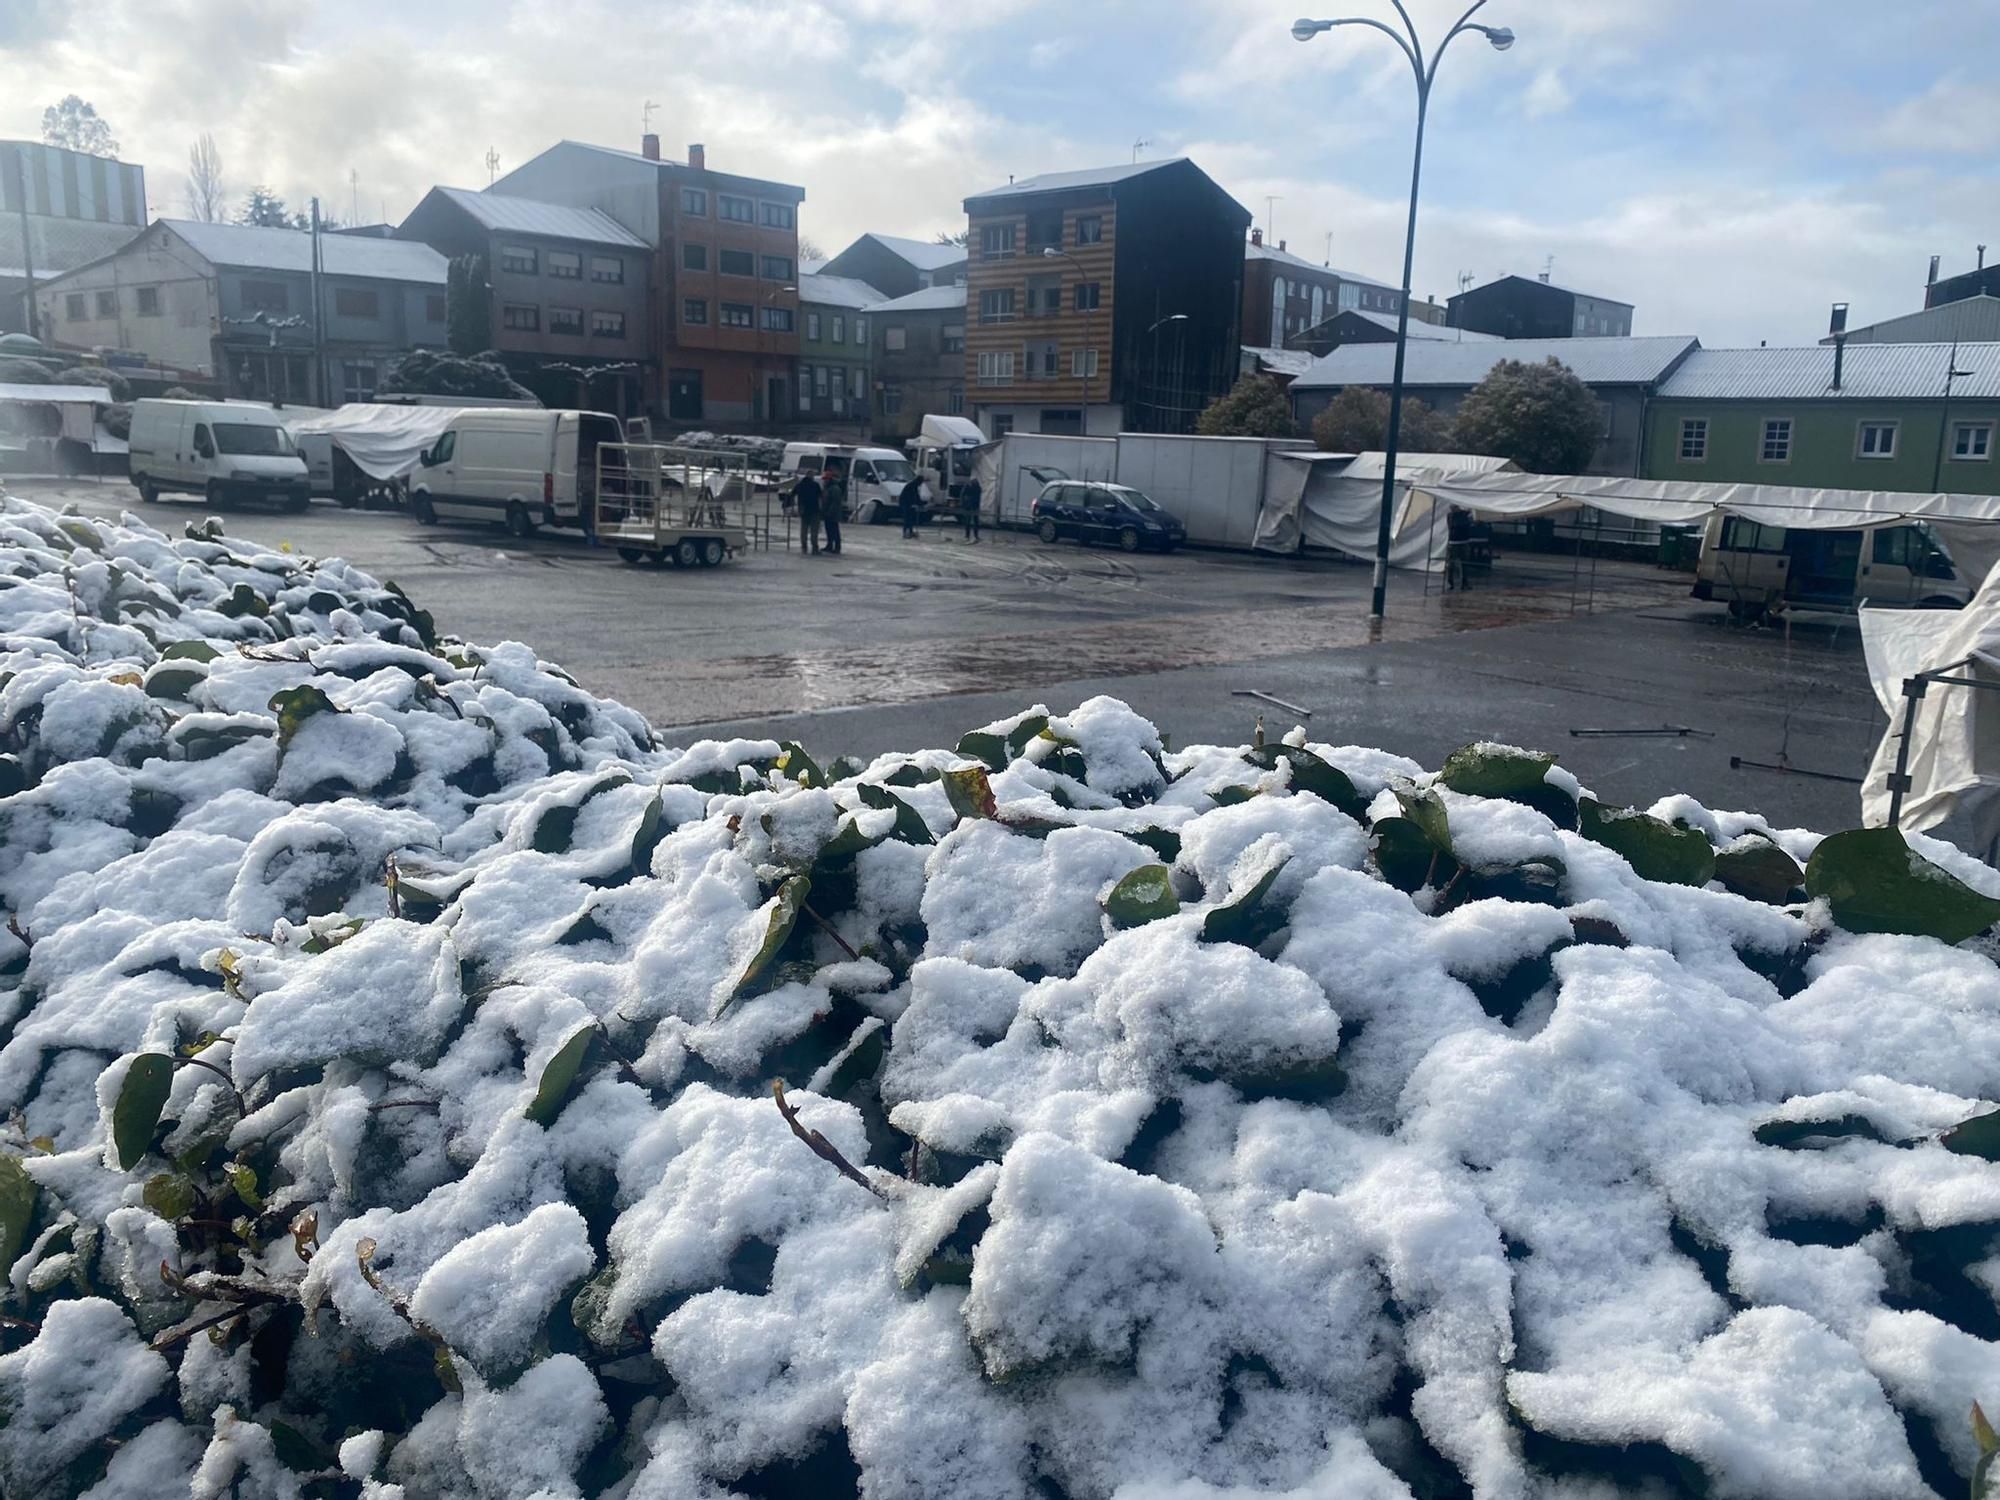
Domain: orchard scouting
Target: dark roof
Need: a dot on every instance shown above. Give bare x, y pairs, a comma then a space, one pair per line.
922, 254
1061, 182
663, 165
550, 220
1553, 286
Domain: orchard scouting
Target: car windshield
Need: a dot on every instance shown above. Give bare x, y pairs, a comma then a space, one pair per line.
894, 470
1140, 501
253, 438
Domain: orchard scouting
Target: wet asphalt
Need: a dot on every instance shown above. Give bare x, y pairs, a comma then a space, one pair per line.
897, 644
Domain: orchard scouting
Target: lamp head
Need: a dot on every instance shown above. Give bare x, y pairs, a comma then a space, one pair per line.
1049, 252
1502, 37
1304, 29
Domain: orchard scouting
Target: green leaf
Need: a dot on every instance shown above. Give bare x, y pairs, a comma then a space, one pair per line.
17, 1209
848, 839
1983, 1433
1495, 771
799, 766
243, 1179
860, 1058
244, 601
333, 937
1406, 857
1760, 870
140, 1099
559, 1076
1790, 1133
981, 744
1314, 775
909, 774
1242, 919
1145, 895
1232, 796
969, 792
1978, 1136
204, 742
13, 775
189, 651
295, 1450
1026, 732
170, 1195
910, 826
785, 909
1162, 841
1425, 808
166, 680
1875, 882
646, 837
557, 825
1654, 848
294, 706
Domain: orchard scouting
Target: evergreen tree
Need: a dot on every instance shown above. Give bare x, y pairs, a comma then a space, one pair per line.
265, 208
1358, 422
468, 310
1540, 416
1256, 407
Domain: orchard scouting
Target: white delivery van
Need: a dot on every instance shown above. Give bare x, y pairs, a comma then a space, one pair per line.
875, 476
1758, 570
519, 468
224, 451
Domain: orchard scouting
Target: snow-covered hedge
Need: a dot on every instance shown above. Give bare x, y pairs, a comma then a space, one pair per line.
391, 1031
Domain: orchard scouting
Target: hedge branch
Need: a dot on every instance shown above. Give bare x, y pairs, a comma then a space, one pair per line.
821, 1147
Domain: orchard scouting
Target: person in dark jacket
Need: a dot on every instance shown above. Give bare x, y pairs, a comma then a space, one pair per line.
912, 499
807, 494
968, 507
833, 507
1458, 543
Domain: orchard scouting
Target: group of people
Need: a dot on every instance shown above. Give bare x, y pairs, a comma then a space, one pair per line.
822, 501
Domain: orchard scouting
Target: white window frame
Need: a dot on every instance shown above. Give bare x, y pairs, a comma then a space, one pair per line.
1694, 434
860, 329
857, 384
357, 379
694, 202
688, 305
895, 339
996, 367
732, 202
602, 329
812, 326
821, 378
1083, 364
1985, 443
1865, 429
528, 260
1764, 443
839, 334
990, 236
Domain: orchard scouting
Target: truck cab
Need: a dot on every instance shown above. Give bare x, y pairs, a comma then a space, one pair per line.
1758, 569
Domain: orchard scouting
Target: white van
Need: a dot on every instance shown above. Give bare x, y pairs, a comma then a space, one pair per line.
222, 450
521, 468
875, 476
1759, 570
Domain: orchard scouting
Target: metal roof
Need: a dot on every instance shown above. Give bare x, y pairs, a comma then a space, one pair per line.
661, 164
922, 254
1443, 362
1053, 182
1554, 286
1281, 361
1285, 257
1420, 329
96, 395
1970, 320
259, 248
551, 220
923, 299
837, 291
1869, 372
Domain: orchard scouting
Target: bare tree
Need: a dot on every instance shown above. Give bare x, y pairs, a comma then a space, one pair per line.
207, 195
75, 123
809, 249
960, 238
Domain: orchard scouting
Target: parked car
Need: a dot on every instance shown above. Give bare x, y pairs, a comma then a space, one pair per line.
1757, 569
875, 476
522, 468
224, 451
1104, 513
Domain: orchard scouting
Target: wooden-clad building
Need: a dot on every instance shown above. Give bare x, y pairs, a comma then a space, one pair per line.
1103, 300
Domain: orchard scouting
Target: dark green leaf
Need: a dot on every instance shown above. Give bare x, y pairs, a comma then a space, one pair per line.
1244, 918
969, 792
170, 1195
1760, 870
294, 706
13, 776
1653, 847
785, 909
1875, 882
189, 651
848, 839
980, 744
799, 766
1162, 841
557, 825
333, 937
1425, 808
203, 742
910, 825
1232, 796
1978, 1136
646, 837
166, 680
844, 768
909, 774
860, 1059
295, 1450
1323, 779
559, 1076
140, 1099
244, 601
1145, 895
1406, 857
1791, 1133
1495, 771
1027, 731
17, 1209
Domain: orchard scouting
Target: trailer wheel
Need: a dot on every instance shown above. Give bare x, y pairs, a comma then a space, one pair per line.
520, 524
711, 552
421, 509
632, 555
686, 553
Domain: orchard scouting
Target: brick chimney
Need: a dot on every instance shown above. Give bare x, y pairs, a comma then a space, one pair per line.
1256, 236
697, 158
649, 146
1281, 247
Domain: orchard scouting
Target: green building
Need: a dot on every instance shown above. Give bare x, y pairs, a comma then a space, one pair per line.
1869, 417
834, 376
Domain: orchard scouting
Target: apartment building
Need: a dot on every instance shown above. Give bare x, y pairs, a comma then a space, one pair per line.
1287, 300
60, 209
834, 381
919, 355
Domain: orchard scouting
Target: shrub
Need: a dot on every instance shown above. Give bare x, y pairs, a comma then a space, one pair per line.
1357, 421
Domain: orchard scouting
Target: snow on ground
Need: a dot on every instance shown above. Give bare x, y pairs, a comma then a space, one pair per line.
388, 1030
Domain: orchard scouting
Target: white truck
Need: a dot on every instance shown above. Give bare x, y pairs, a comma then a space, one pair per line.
520, 468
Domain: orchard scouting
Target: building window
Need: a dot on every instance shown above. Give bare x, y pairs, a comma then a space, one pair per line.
694, 202
857, 383
953, 336
996, 367
518, 258
1777, 445
436, 308
812, 326
1350, 297
694, 257
608, 269
775, 268
996, 241
107, 303
521, 318
839, 329
736, 263
779, 216
1972, 442
895, 340
1044, 296
1044, 361
860, 329
76, 307
954, 401
892, 400
607, 325
566, 320
1694, 440
356, 302
265, 297
694, 312
1876, 440
149, 301
1044, 230
997, 306
1741, 535
820, 377
735, 210
357, 380
1089, 229
566, 265
738, 315
778, 320
1003, 423
1083, 362
1087, 293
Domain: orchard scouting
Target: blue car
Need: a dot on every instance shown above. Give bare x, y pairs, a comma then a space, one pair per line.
1093, 512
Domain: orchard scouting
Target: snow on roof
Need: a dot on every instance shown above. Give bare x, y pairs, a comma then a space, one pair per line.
1282, 361
553, 220
1447, 362
1285, 257
922, 254
1869, 372
923, 299
1050, 182
837, 291
811, 267
268, 249
95, 394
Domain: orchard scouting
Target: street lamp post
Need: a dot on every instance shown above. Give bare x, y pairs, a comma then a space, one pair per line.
1089, 330
1952, 375
1412, 48
1154, 332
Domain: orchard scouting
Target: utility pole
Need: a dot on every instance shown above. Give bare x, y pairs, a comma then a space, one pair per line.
27, 243
1271, 217
492, 165
1952, 374
319, 380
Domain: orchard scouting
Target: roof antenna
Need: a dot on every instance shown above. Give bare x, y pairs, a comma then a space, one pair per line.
1137, 147
1328, 262
492, 165
1270, 215
646, 118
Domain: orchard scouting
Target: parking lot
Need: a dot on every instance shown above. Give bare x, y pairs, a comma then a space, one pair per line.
898, 643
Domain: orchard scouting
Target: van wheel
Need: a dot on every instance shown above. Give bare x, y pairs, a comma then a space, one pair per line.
148, 491
1047, 532
216, 495
632, 555
1129, 539
711, 553
420, 509
519, 523
686, 553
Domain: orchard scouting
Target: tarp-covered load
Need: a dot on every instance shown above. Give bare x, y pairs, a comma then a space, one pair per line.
1334, 501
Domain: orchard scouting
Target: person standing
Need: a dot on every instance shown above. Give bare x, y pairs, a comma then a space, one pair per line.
806, 494
968, 506
1458, 543
833, 507
911, 500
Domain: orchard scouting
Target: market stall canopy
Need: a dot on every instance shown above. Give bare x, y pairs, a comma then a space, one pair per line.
383, 441
76, 404
1334, 500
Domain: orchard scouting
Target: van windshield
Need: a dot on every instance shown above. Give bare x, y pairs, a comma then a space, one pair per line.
253, 439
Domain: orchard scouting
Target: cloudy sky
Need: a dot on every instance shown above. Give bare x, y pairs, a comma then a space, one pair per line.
1730, 166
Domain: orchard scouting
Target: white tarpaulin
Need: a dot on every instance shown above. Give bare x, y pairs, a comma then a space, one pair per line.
1334, 500
1954, 760
383, 441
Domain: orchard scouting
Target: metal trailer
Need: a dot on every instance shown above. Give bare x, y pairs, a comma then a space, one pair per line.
691, 507
1213, 485
1013, 469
